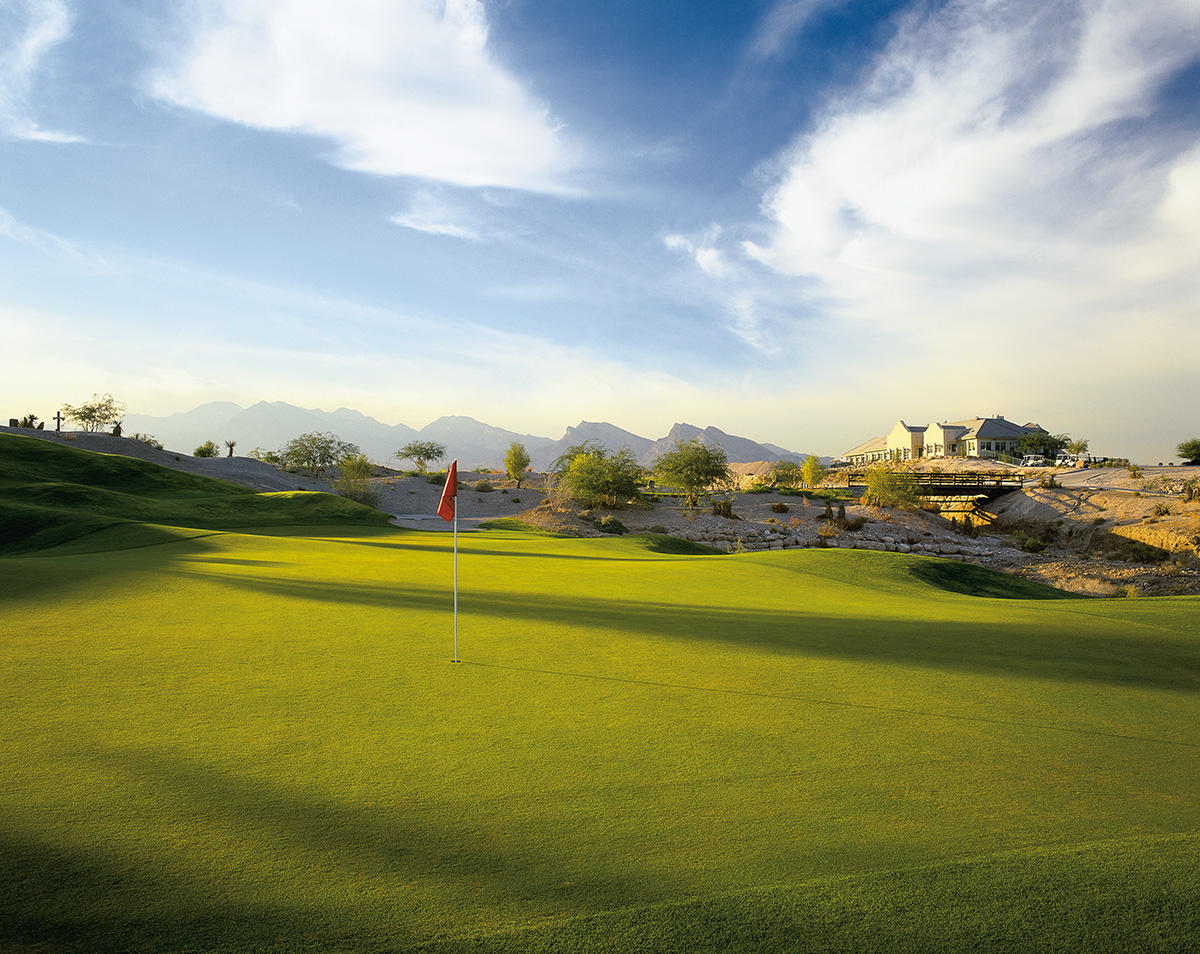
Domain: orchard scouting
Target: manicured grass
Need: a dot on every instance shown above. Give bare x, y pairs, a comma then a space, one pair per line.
255, 741
51, 494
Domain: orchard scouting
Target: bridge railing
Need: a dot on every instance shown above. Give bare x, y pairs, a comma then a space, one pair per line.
982, 480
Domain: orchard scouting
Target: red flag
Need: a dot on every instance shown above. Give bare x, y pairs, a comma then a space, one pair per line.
449, 492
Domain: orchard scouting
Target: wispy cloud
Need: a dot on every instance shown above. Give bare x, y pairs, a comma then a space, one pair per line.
1005, 167
402, 87
52, 245
702, 250
29, 31
782, 24
987, 135
434, 214
754, 306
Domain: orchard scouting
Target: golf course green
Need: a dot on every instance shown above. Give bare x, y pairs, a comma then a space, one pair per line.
231, 723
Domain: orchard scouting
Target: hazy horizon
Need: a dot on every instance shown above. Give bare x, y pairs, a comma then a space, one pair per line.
793, 220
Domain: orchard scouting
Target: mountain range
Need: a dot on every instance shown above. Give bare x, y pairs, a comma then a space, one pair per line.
269, 425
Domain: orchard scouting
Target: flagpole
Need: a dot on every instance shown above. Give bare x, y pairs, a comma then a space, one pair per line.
456, 581
448, 511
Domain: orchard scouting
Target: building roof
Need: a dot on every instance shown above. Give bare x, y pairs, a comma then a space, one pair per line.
874, 444
991, 427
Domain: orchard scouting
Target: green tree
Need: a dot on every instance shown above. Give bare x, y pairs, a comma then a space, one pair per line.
786, 473
207, 449
595, 478
421, 453
1189, 450
889, 486
1078, 445
813, 471
315, 452
563, 461
516, 462
1039, 442
100, 412
693, 468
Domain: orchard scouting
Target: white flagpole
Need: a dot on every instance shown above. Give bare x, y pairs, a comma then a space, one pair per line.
456, 576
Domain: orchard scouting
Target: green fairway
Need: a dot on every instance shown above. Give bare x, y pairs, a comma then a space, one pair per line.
256, 741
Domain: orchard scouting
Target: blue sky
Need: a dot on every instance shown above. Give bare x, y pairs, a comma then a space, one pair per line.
792, 219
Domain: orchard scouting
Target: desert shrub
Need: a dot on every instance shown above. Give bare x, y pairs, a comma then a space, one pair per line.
855, 523
771, 520
1131, 591
780, 508
1162, 510
483, 486
1191, 490
659, 528
890, 487
594, 478
609, 524
353, 480
207, 449
357, 490
723, 507
516, 500
758, 488
148, 440
1048, 482
1134, 471
786, 473
1028, 543
795, 522
1097, 520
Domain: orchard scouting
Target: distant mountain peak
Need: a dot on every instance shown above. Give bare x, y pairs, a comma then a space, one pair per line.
270, 424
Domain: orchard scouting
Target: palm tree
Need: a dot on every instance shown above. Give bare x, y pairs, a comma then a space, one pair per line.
231, 445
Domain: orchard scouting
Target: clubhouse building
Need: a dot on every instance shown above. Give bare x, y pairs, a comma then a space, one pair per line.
987, 437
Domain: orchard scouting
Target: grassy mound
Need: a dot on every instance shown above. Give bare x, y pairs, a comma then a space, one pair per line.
51, 494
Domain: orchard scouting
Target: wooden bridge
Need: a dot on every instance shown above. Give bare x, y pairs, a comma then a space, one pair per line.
976, 484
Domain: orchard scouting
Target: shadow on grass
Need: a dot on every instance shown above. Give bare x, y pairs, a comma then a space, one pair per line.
970, 580
387, 875
1066, 648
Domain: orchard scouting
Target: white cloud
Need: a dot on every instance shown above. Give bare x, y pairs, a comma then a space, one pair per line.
402, 87
984, 138
702, 250
1003, 186
434, 215
29, 31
